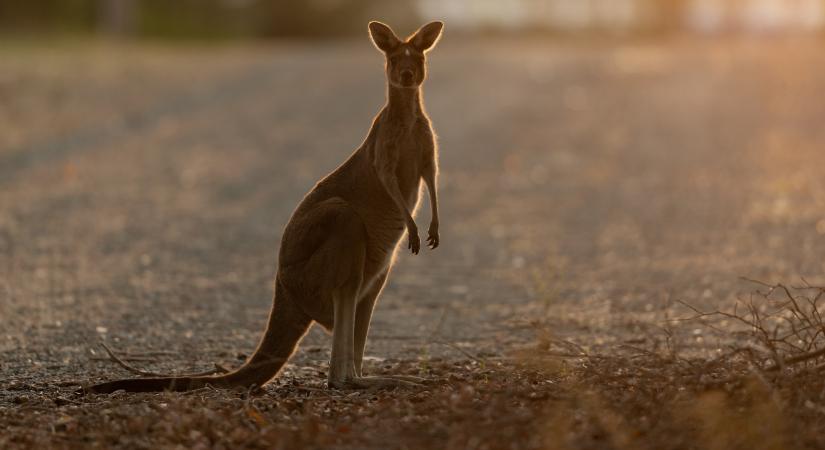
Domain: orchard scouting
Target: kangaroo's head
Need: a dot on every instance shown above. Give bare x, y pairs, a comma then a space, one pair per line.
406, 60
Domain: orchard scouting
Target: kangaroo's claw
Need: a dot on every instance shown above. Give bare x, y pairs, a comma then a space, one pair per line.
414, 243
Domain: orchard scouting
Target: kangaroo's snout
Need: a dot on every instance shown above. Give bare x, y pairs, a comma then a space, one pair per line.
407, 77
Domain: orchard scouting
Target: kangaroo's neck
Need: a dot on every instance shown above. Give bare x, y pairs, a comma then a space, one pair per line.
404, 104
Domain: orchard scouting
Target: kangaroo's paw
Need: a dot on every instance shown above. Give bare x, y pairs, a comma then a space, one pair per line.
373, 383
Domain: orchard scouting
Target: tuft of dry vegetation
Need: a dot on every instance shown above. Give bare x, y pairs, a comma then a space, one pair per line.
781, 327
766, 391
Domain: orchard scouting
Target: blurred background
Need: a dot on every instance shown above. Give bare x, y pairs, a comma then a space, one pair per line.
599, 159
318, 18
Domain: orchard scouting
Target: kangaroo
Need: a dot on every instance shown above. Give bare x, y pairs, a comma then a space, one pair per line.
339, 245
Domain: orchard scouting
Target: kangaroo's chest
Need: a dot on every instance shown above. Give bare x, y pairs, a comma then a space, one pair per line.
410, 147
409, 178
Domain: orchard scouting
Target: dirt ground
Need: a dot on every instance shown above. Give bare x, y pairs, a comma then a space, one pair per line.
586, 186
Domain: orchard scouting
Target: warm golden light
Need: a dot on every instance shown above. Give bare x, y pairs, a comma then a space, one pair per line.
533, 225
702, 16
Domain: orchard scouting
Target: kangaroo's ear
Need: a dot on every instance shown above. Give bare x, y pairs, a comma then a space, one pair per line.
383, 37
426, 36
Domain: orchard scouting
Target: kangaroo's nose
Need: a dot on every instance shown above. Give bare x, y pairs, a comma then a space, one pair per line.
406, 75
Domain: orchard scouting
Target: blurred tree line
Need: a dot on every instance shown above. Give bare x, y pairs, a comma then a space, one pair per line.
202, 18
319, 18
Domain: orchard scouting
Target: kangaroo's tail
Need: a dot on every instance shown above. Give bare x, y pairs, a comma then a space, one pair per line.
287, 326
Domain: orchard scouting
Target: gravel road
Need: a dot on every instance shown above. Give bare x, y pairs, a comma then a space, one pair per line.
585, 187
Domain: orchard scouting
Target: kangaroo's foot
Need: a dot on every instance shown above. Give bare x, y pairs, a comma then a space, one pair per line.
372, 383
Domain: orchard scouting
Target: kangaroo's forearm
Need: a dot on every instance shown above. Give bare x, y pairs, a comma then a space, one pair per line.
391, 186
434, 206
432, 187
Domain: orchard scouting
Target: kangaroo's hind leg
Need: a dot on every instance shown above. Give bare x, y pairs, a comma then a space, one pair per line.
341, 259
342, 374
363, 316
342, 363
344, 254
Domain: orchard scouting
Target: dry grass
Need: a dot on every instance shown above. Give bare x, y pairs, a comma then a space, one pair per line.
765, 393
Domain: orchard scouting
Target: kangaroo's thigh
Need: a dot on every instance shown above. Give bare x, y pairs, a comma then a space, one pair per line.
326, 250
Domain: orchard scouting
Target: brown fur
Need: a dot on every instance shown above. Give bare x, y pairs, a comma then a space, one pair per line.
339, 245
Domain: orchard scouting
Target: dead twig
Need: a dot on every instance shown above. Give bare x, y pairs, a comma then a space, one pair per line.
475, 358
785, 323
217, 370
123, 364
